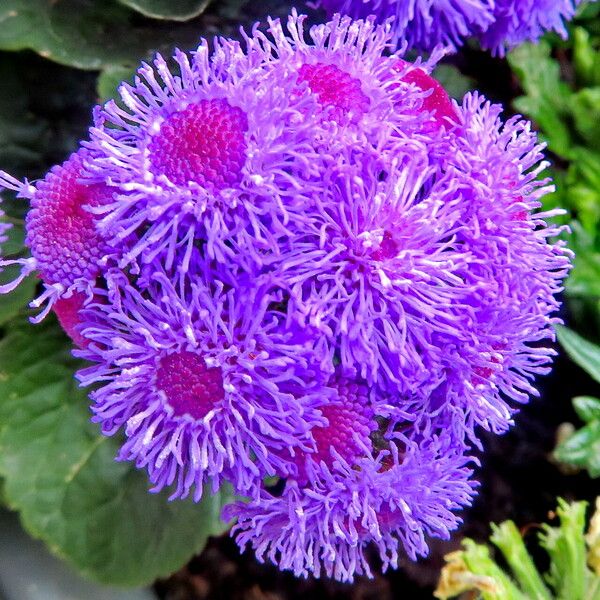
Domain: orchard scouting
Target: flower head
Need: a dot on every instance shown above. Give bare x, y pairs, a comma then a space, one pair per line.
217, 151
204, 380
66, 249
324, 527
299, 258
517, 21
498, 24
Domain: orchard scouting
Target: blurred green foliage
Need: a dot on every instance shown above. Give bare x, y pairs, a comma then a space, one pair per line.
561, 85
573, 572
582, 448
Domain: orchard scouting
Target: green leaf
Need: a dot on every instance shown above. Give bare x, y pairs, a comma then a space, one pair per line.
547, 100
582, 449
568, 573
583, 182
176, 10
60, 474
15, 239
587, 408
584, 279
110, 79
585, 107
585, 58
582, 352
473, 569
508, 540
16, 302
570, 576
88, 34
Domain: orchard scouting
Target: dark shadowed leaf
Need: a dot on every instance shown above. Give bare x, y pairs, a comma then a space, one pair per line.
176, 10
60, 473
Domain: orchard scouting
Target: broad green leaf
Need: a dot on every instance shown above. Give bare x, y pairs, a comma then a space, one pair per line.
15, 241
110, 79
88, 34
60, 474
17, 301
582, 352
176, 10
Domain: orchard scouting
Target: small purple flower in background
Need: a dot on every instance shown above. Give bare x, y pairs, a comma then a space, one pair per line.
497, 24
298, 258
517, 21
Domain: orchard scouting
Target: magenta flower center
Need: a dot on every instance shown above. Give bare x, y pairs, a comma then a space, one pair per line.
67, 312
190, 386
387, 249
348, 417
204, 143
336, 89
437, 102
60, 232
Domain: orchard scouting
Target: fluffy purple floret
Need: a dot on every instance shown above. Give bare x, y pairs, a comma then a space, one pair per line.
325, 527
67, 251
204, 380
498, 24
517, 21
211, 149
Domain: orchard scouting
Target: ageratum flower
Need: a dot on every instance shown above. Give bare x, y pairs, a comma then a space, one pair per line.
203, 378
355, 498
320, 269
378, 272
517, 21
215, 151
498, 24
67, 251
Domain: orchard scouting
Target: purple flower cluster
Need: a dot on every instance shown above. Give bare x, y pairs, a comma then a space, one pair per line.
497, 24
296, 266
